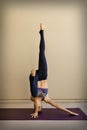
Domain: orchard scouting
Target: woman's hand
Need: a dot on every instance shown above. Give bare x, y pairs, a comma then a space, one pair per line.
34, 115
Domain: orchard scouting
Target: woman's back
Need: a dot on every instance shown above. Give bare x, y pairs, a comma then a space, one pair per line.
42, 84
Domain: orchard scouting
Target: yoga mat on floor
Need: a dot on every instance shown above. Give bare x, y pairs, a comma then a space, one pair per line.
46, 114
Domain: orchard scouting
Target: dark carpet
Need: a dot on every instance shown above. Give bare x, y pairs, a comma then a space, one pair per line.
46, 114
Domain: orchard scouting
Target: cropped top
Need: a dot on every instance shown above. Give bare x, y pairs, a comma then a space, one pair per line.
35, 91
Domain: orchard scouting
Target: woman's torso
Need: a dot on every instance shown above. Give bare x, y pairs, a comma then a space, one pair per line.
42, 84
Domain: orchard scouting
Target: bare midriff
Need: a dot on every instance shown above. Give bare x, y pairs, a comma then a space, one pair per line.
42, 84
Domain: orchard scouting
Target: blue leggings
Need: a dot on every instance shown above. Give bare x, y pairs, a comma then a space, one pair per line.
42, 65
41, 73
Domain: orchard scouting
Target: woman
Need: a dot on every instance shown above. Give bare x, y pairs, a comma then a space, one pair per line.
38, 81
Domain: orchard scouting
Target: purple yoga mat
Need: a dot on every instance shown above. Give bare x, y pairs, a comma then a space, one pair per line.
46, 114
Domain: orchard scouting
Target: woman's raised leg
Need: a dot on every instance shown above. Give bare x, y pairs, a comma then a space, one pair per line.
42, 65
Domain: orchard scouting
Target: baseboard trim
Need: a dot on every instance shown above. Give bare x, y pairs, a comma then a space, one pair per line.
28, 100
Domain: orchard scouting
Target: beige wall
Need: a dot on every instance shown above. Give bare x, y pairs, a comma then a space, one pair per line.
65, 49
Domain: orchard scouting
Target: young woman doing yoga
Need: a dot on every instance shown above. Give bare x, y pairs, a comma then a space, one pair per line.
38, 81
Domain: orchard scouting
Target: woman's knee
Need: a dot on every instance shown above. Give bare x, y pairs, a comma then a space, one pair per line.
47, 100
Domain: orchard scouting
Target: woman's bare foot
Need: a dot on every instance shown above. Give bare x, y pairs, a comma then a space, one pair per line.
42, 26
73, 114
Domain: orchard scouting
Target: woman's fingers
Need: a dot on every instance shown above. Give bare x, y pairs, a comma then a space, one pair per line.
34, 115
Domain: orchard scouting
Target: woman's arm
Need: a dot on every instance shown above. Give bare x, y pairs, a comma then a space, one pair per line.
35, 114
33, 78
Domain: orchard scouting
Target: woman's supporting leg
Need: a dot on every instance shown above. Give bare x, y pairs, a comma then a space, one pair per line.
48, 100
42, 66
